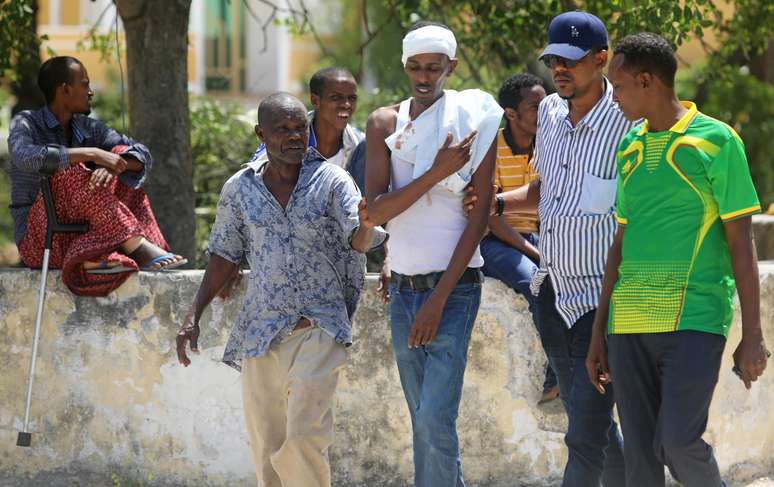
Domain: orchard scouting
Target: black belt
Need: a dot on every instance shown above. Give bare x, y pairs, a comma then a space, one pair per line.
426, 282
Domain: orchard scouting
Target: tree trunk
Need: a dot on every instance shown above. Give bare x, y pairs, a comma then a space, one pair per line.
157, 69
762, 65
25, 88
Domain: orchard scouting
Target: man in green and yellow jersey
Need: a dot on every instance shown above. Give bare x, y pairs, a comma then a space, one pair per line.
684, 246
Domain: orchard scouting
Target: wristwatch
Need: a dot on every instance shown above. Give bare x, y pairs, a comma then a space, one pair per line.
499, 204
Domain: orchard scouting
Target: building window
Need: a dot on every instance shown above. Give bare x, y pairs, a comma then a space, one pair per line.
225, 46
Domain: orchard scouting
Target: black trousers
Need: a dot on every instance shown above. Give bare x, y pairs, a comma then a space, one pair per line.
663, 389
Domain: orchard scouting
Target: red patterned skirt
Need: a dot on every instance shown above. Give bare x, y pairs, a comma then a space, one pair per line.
115, 214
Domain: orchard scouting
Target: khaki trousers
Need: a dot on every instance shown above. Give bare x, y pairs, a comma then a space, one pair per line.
288, 403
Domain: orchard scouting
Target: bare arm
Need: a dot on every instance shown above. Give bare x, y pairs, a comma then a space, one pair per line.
507, 234
364, 235
596, 358
751, 354
106, 138
104, 158
383, 204
28, 154
112, 162
361, 240
523, 199
218, 272
428, 318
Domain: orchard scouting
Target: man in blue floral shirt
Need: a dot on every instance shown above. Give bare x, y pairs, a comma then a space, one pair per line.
333, 95
303, 228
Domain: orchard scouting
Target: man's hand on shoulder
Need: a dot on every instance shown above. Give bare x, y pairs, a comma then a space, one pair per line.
470, 200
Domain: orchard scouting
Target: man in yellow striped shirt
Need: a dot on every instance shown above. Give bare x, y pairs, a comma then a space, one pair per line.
509, 250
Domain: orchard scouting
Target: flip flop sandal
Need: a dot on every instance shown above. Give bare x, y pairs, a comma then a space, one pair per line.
156, 260
104, 269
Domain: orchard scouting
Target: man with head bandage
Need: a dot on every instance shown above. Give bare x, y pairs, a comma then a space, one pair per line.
421, 154
429, 39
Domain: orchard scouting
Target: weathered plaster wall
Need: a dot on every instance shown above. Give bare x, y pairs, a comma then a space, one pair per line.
763, 229
112, 404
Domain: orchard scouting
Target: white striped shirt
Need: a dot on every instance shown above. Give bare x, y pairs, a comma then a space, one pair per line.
577, 229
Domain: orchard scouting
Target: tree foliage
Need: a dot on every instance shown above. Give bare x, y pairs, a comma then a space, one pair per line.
18, 40
495, 38
508, 35
222, 140
747, 33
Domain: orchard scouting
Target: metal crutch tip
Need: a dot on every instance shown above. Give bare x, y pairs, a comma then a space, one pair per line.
24, 439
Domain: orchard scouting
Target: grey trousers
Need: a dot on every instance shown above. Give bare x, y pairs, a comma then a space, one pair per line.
663, 389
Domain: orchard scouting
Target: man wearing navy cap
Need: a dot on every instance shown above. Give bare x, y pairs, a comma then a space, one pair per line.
579, 128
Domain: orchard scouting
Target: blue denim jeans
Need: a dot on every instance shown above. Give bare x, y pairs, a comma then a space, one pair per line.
594, 443
506, 264
431, 377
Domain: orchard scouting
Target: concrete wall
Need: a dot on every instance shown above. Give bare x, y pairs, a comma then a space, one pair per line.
763, 230
112, 404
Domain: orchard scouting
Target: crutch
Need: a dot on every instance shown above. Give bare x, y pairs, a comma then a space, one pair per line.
52, 227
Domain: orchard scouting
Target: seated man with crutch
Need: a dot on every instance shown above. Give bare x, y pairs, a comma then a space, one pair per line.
97, 180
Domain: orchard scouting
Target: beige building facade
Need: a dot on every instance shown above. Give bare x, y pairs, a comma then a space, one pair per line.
234, 48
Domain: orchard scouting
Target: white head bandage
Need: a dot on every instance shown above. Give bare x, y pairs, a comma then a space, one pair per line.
431, 39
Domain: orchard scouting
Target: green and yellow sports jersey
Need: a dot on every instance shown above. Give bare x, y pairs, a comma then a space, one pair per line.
675, 188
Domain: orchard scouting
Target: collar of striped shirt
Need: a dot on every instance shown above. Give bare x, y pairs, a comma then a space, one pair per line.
596, 115
577, 192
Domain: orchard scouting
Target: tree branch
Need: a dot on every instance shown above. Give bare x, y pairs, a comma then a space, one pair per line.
300, 17
264, 24
364, 7
371, 35
472, 68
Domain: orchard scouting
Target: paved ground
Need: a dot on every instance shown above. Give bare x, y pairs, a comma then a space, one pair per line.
100, 480
767, 482
104, 480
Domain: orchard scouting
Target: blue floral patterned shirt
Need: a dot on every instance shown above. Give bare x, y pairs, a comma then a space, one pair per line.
301, 260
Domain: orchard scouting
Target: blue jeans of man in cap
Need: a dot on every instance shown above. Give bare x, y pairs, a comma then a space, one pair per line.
431, 377
594, 444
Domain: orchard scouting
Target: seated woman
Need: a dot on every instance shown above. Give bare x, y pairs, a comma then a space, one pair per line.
98, 178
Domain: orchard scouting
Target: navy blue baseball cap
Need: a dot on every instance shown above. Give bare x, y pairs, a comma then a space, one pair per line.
572, 35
